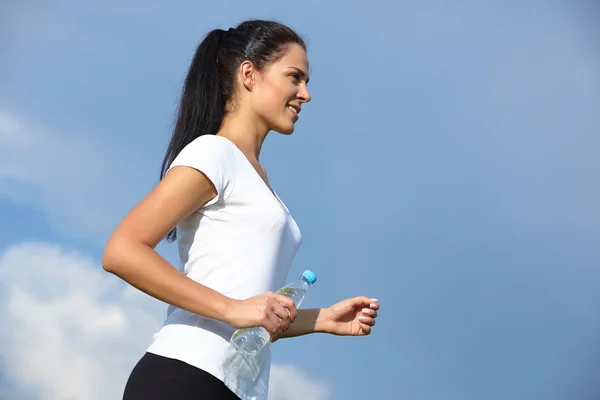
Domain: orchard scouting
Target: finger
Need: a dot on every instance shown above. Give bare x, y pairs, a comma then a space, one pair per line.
366, 329
370, 312
283, 315
275, 320
272, 325
374, 304
289, 304
270, 328
364, 301
364, 320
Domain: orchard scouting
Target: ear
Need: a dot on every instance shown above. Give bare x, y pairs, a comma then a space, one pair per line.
248, 75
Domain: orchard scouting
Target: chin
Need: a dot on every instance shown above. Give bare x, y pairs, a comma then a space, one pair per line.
285, 130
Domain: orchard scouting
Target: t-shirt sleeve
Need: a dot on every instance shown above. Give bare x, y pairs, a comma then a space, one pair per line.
212, 156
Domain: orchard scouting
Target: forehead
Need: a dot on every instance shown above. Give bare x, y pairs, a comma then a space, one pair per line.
294, 56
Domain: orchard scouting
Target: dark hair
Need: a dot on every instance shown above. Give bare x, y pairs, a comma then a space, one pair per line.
209, 83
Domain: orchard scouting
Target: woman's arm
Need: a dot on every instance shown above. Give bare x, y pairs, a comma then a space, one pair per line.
307, 321
130, 255
350, 317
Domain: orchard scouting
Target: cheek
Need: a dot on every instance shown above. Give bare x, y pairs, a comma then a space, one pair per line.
272, 99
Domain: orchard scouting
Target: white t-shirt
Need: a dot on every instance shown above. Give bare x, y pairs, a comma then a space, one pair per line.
241, 244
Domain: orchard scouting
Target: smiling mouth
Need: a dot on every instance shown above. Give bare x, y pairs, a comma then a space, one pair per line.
295, 110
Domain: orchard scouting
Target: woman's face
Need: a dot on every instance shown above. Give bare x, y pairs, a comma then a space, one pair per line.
281, 90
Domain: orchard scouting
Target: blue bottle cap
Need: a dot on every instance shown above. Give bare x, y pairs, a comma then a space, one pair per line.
309, 276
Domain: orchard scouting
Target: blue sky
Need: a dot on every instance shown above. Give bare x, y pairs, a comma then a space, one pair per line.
447, 165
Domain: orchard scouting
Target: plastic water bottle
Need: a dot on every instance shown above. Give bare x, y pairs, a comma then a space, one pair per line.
249, 341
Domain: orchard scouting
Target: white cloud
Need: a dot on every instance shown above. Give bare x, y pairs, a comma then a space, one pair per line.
73, 178
72, 331
290, 383
67, 318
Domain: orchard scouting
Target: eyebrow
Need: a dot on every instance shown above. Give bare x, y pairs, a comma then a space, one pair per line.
302, 73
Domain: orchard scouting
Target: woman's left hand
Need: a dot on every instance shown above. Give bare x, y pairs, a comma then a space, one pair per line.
351, 317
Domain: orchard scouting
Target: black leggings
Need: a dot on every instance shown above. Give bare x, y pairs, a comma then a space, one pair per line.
159, 378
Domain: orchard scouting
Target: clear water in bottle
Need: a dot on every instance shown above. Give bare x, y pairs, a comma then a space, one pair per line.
249, 341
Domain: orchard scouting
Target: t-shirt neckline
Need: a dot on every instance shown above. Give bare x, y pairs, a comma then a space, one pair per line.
273, 193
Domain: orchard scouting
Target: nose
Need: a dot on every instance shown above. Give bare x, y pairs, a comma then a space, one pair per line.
304, 94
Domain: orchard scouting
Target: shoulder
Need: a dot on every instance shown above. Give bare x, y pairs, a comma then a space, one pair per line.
212, 142
214, 157
207, 148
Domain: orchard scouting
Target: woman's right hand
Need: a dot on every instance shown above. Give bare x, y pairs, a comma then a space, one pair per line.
272, 311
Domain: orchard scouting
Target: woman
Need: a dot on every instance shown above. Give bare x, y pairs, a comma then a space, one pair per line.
236, 238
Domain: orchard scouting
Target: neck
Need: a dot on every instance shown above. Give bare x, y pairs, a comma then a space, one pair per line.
245, 131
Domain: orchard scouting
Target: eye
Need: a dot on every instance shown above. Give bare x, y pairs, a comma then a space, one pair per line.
295, 76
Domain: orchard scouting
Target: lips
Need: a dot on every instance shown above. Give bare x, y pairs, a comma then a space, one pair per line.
294, 109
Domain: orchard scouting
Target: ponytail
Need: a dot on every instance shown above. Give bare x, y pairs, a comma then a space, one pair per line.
202, 104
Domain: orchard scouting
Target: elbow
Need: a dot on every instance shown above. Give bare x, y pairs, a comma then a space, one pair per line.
108, 261
110, 257
119, 254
